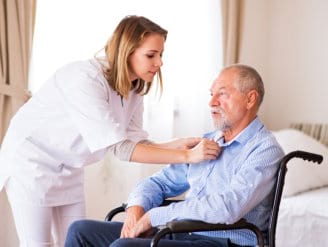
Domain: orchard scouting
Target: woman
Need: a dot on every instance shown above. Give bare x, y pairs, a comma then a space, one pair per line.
85, 109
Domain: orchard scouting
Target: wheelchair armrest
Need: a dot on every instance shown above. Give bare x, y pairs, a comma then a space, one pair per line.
195, 226
181, 226
122, 208
115, 211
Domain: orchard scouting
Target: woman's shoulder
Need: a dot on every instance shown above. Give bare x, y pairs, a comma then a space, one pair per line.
79, 70
80, 65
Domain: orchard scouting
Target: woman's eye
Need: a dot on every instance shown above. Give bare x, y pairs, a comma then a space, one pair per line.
150, 56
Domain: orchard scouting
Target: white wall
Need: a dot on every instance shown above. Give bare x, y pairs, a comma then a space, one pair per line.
287, 41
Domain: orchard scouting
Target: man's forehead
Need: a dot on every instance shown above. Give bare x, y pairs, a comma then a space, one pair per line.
218, 85
222, 78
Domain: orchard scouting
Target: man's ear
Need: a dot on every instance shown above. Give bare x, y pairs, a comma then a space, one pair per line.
252, 97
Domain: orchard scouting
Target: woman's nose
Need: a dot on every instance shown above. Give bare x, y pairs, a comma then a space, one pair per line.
159, 62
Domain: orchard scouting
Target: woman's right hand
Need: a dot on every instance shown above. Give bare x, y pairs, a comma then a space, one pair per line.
182, 143
205, 150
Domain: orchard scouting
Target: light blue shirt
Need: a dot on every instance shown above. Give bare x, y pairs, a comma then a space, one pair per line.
239, 184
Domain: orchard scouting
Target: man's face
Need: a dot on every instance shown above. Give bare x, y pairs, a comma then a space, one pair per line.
228, 104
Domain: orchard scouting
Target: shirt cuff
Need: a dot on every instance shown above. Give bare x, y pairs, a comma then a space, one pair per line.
159, 216
138, 201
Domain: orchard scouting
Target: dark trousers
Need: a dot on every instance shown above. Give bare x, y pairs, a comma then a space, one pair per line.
90, 233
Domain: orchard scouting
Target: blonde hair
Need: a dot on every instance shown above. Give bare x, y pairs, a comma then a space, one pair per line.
127, 37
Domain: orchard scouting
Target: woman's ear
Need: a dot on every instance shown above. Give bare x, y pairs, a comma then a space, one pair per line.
252, 97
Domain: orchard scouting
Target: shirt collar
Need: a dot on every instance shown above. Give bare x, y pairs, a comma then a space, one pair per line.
243, 136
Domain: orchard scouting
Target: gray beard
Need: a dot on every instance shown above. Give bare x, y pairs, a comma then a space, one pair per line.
222, 125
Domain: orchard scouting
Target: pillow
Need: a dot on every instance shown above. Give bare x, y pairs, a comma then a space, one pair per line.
302, 175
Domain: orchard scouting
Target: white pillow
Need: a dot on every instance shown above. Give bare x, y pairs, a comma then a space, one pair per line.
302, 175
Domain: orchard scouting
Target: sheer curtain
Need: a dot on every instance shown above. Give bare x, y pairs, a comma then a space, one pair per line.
73, 30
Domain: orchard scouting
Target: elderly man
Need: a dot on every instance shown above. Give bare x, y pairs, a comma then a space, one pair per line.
239, 184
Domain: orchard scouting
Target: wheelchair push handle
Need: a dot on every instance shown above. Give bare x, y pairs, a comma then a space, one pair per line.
312, 157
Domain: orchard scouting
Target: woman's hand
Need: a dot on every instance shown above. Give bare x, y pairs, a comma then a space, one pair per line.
205, 150
183, 143
133, 214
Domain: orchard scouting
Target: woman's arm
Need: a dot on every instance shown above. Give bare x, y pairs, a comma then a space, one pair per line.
181, 143
177, 151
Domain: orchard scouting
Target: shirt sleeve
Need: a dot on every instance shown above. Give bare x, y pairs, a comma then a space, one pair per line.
86, 100
249, 186
169, 182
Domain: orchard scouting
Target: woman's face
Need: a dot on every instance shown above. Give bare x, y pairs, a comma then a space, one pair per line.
146, 60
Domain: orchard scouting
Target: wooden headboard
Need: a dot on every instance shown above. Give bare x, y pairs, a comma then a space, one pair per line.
317, 131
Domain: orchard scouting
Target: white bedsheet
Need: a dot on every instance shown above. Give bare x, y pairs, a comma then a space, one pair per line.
303, 220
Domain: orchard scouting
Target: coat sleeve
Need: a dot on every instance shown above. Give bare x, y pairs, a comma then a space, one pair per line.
135, 131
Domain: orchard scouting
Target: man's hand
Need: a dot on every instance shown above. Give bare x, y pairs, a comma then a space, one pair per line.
133, 214
143, 227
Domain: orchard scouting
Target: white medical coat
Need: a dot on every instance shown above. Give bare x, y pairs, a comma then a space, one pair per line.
68, 124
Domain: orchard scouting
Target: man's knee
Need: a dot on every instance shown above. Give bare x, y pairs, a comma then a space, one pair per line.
78, 230
77, 226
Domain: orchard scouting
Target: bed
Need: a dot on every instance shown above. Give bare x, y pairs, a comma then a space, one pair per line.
303, 214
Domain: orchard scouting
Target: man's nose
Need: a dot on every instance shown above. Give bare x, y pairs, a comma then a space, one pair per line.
214, 101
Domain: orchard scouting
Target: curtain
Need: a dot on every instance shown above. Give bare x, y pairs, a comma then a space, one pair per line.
16, 32
231, 27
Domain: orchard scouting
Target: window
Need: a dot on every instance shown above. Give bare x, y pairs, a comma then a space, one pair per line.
72, 30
